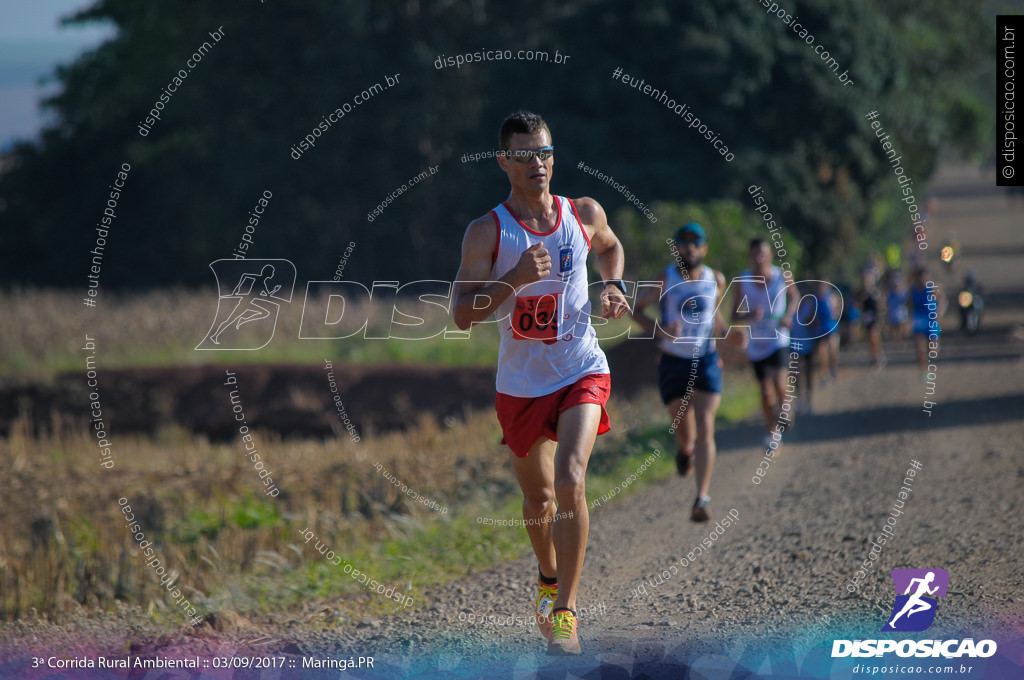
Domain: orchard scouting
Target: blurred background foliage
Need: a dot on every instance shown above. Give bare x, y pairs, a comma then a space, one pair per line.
226, 135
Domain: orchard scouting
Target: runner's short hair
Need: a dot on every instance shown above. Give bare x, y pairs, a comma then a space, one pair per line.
520, 122
756, 242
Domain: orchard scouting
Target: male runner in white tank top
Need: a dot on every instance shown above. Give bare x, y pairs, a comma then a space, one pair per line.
690, 372
767, 302
525, 263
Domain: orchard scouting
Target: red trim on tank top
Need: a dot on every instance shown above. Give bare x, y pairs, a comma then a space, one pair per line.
497, 239
558, 222
579, 221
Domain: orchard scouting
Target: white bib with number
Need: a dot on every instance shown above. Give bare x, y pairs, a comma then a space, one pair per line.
691, 303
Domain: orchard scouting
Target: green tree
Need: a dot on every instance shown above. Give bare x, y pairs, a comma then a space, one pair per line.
226, 134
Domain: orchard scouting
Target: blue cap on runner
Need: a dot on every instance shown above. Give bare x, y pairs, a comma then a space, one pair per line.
691, 228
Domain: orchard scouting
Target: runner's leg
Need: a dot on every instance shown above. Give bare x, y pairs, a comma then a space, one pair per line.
681, 412
776, 379
875, 343
767, 399
705, 404
577, 430
685, 433
536, 475
833, 343
807, 362
779, 379
824, 352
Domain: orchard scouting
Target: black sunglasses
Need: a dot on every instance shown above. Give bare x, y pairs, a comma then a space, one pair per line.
526, 155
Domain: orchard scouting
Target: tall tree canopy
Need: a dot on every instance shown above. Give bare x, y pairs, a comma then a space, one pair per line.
226, 134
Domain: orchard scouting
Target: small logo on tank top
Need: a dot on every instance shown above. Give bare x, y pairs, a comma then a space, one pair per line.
565, 262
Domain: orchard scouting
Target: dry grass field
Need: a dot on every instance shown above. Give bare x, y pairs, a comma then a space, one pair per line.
45, 332
64, 545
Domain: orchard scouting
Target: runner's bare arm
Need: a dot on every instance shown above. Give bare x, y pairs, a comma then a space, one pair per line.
733, 336
737, 299
647, 296
792, 301
473, 284
609, 254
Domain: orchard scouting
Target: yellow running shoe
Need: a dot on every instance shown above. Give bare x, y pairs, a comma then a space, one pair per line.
563, 638
547, 594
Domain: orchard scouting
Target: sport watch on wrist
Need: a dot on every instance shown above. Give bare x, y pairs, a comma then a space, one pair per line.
617, 283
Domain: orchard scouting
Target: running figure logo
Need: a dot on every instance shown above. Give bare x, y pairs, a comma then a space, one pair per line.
914, 610
250, 295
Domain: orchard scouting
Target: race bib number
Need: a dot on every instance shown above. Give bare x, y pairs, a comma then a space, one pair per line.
536, 317
692, 328
690, 331
765, 329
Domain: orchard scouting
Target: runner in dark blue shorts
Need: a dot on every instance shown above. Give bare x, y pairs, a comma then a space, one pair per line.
765, 301
679, 375
690, 373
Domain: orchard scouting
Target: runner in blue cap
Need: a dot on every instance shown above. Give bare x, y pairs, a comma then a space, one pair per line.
690, 371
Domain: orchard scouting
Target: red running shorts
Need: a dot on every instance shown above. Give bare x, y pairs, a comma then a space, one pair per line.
524, 420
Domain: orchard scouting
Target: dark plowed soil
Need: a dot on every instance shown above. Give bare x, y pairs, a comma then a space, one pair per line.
291, 400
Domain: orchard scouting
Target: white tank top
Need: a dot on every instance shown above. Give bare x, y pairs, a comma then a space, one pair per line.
547, 341
691, 302
765, 334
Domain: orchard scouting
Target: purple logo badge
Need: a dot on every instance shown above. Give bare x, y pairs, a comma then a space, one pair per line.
916, 593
